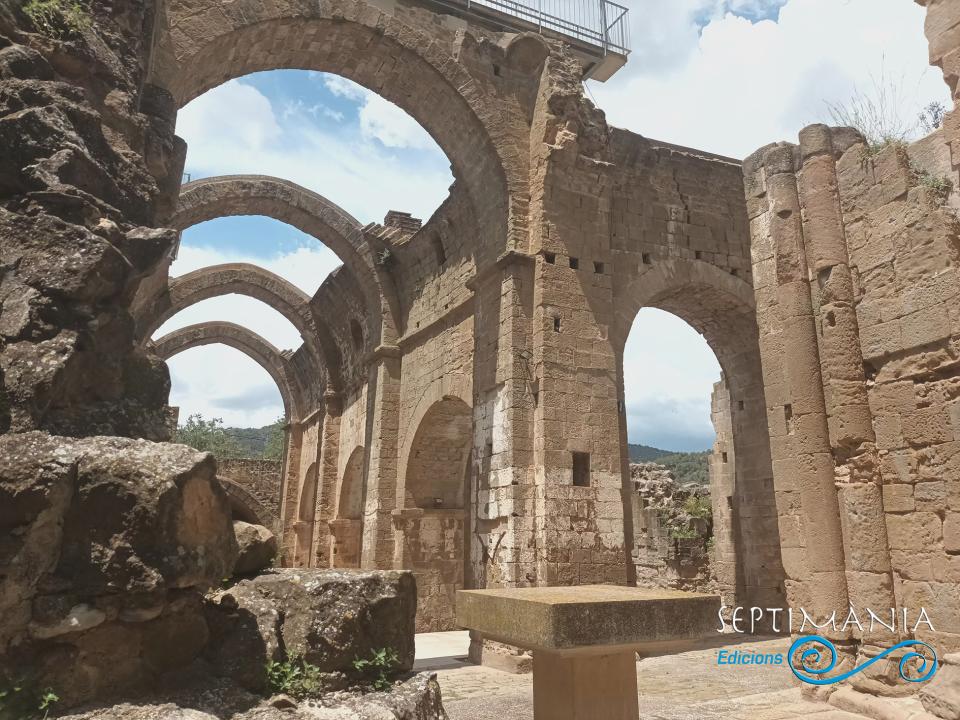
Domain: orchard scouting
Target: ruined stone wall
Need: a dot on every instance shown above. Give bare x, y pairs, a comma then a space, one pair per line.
856, 262
671, 546
261, 478
432, 545
90, 162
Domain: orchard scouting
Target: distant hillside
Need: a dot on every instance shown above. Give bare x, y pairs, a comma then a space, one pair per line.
252, 442
645, 453
686, 467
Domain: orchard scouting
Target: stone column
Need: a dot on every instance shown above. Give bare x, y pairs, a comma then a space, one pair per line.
327, 479
852, 437
289, 492
805, 473
724, 562
380, 490
501, 492
501, 545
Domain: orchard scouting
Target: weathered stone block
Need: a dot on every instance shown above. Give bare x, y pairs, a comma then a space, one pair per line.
330, 617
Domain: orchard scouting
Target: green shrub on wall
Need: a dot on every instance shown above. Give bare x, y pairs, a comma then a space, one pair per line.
58, 18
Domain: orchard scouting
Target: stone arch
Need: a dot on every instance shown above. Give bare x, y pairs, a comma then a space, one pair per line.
722, 308
313, 214
350, 497
438, 456
346, 529
204, 45
252, 281
449, 387
247, 342
245, 506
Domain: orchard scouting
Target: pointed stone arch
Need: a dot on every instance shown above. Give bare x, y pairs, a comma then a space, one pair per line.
247, 342
722, 308
309, 212
252, 281
203, 44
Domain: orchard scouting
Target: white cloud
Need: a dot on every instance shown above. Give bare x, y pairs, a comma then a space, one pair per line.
384, 121
744, 84
245, 120
218, 381
669, 372
305, 267
235, 129
380, 119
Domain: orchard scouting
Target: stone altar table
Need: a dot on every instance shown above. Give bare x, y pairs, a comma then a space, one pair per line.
584, 639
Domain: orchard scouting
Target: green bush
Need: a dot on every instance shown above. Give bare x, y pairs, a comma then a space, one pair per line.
295, 677
18, 701
683, 533
379, 667
698, 507
58, 18
941, 185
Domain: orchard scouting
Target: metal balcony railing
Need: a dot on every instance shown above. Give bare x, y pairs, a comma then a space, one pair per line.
600, 23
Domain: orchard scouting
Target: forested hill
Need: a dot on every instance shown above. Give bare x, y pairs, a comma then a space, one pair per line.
686, 467
251, 441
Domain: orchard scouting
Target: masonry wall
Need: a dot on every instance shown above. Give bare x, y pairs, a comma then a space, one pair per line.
856, 261
261, 478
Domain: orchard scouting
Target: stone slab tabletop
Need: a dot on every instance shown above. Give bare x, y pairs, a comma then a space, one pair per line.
597, 617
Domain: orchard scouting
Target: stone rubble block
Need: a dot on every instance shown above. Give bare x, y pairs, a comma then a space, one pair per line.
329, 617
257, 547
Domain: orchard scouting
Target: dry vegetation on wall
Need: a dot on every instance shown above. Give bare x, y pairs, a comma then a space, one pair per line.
58, 18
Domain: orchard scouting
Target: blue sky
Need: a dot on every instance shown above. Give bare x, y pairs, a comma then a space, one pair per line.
723, 75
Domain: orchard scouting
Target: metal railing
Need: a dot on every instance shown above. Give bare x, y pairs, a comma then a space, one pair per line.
601, 23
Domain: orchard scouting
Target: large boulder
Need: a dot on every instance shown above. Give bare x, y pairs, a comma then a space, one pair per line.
329, 617
257, 548
941, 696
415, 699
106, 546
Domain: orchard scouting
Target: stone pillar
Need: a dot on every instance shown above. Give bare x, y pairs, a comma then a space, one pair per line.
852, 438
383, 421
724, 561
502, 547
289, 493
804, 471
327, 480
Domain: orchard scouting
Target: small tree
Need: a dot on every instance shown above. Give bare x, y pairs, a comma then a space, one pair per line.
273, 449
207, 436
932, 116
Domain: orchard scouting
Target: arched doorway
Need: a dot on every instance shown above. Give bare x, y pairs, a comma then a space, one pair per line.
721, 308
346, 529
431, 528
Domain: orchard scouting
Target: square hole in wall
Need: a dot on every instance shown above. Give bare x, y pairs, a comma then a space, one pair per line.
646, 259
598, 268
550, 257
556, 324
574, 263
724, 457
740, 404
581, 469
698, 255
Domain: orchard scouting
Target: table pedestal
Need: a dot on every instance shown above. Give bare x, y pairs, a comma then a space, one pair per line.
585, 685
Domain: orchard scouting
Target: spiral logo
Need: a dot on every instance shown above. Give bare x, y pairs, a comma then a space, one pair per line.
805, 661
